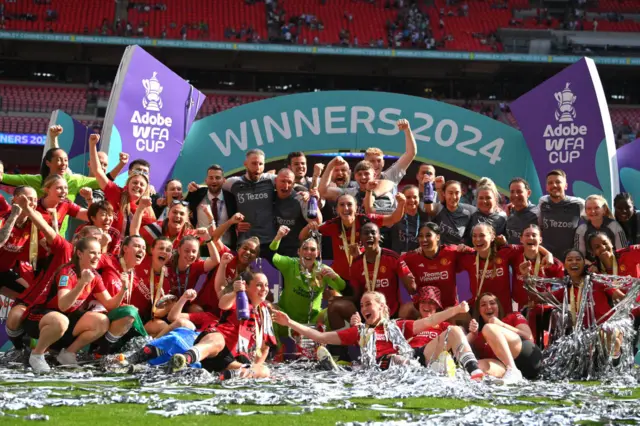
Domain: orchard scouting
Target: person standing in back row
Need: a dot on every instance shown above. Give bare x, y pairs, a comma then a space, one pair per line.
522, 213
559, 214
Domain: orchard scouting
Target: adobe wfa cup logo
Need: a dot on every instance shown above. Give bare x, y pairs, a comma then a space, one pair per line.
152, 100
566, 112
565, 141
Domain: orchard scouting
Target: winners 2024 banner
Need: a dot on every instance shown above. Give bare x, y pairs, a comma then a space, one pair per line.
150, 112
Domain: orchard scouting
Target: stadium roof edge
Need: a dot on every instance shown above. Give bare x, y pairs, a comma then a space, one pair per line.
314, 50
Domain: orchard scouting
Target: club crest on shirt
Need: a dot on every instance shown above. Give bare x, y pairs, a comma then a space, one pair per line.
444, 262
383, 269
623, 268
498, 261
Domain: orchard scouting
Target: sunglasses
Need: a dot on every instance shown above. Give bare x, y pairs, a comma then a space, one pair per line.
176, 202
140, 172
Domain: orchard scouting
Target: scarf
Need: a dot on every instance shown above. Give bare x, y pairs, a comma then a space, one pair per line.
368, 351
256, 331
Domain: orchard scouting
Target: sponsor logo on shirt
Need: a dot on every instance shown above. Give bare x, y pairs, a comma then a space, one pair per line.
434, 276
550, 223
491, 273
286, 222
245, 198
380, 337
64, 281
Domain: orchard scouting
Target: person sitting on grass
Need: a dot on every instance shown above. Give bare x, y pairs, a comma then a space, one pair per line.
383, 342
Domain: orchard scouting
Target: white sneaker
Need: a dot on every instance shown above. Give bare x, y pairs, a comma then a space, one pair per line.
67, 358
37, 362
511, 377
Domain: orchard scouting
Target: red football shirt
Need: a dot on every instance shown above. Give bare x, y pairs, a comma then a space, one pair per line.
154, 230
482, 349
601, 302
63, 209
114, 245
61, 252
67, 279
143, 271
391, 267
496, 279
207, 296
518, 293
351, 336
203, 320
424, 337
333, 229
187, 279
113, 194
16, 248
139, 290
628, 261
4, 206
438, 272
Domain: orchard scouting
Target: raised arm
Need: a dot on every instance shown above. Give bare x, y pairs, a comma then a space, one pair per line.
324, 338
66, 298
136, 221
229, 299
52, 136
6, 229
398, 213
223, 228
37, 219
438, 317
214, 257
94, 163
124, 159
326, 191
176, 310
411, 148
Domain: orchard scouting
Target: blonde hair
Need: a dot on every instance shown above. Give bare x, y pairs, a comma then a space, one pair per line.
379, 298
601, 200
125, 207
50, 180
493, 245
486, 184
373, 151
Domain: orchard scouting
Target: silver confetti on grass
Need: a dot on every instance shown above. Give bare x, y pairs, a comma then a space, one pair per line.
586, 352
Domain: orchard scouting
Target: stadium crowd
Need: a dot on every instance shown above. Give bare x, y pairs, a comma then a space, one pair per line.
133, 259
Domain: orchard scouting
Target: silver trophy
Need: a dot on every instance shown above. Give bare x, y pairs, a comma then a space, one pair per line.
566, 112
152, 100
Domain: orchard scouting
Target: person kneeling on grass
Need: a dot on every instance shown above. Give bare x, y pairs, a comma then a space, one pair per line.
383, 341
232, 347
504, 344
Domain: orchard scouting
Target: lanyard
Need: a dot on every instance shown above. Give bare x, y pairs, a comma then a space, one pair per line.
54, 221
259, 321
129, 278
536, 268
484, 272
33, 246
155, 295
406, 229
345, 244
371, 285
575, 301
186, 280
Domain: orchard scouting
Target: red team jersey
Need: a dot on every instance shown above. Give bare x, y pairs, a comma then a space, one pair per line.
67, 279
143, 271
114, 245
187, 279
496, 281
333, 229
203, 320
628, 262
17, 246
482, 349
139, 290
438, 272
518, 293
154, 230
391, 267
351, 336
426, 336
113, 194
63, 209
601, 302
207, 296
61, 252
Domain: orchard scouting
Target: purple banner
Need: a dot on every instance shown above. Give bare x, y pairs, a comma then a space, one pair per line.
150, 112
629, 167
565, 122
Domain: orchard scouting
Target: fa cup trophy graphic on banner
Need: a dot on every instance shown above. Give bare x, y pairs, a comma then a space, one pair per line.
566, 112
152, 100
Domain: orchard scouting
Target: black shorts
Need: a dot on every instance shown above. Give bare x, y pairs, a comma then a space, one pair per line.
418, 353
31, 325
529, 362
385, 360
224, 358
9, 280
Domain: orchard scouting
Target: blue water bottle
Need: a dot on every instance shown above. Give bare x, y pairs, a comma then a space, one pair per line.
242, 306
429, 193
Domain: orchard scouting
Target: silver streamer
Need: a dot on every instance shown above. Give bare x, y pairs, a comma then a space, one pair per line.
579, 352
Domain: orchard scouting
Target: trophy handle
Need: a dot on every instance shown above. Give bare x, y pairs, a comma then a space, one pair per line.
145, 83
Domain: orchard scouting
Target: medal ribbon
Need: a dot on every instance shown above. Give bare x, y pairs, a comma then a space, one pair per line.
484, 272
345, 244
371, 285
